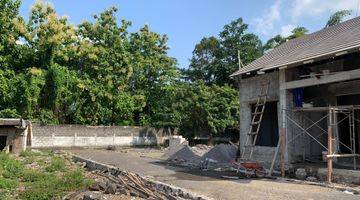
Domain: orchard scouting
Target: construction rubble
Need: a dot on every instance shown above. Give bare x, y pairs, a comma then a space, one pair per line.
127, 185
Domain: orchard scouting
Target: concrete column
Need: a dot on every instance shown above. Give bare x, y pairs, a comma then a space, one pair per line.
239, 82
284, 103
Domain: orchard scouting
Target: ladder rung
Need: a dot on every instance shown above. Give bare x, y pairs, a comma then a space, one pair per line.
259, 104
253, 133
256, 113
255, 123
249, 145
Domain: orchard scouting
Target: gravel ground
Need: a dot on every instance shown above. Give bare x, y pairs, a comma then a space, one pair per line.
147, 162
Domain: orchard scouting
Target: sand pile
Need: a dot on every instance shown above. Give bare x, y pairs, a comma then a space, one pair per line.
221, 153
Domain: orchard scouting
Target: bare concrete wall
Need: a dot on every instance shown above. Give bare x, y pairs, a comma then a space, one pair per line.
249, 91
96, 136
15, 138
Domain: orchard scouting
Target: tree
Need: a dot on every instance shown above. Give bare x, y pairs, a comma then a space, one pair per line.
278, 39
209, 109
51, 37
337, 17
9, 10
154, 75
274, 42
297, 32
205, 60
214, 60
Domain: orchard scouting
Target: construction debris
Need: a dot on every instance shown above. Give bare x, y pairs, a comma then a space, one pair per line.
300, 174
128, 184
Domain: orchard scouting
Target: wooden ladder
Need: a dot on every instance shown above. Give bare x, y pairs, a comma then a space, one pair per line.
255, 124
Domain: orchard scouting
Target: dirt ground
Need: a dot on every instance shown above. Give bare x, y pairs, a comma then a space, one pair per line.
147, 162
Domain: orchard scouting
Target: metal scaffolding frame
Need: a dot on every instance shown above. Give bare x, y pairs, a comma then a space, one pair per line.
331, 114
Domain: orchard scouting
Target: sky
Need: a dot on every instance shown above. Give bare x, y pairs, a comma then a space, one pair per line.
186, 22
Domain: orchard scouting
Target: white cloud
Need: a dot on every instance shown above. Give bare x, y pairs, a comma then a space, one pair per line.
319, 7
286, 29
265, 24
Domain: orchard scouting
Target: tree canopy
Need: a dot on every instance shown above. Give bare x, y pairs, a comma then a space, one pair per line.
337, 17
100, 73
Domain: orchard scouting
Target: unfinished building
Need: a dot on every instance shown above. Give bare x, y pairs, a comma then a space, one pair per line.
311, 104
15, 135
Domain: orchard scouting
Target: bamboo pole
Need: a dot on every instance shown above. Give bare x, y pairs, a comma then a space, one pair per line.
330, 147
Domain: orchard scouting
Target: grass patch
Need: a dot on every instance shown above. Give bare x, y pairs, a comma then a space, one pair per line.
57, 164
52, 177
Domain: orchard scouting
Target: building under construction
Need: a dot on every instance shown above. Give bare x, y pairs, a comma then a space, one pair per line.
301, 100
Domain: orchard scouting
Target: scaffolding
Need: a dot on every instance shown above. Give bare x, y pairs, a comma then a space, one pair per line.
330, 114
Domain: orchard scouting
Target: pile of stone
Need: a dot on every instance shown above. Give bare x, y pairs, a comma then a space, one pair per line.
221, 153
200, 156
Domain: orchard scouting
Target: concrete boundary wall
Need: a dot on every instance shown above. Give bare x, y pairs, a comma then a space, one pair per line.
96, 136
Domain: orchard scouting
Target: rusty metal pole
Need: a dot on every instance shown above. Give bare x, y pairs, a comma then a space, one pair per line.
330, 146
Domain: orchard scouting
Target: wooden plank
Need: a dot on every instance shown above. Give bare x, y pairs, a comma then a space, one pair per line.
340, 76
274, 158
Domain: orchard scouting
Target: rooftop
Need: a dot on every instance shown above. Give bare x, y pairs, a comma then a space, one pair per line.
327, 42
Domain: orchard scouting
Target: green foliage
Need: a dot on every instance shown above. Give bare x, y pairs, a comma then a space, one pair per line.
99, 73
10, 167
43, 182
9, 113
215, 59
337, 17
209, 109
56, 164
8, 184
278, 39
46, 117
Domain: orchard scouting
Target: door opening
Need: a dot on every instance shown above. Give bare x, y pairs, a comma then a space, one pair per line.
2, 142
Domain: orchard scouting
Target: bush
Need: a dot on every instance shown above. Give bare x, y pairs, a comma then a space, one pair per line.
9, 113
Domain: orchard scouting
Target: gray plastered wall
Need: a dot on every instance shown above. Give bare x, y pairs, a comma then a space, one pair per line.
249, 89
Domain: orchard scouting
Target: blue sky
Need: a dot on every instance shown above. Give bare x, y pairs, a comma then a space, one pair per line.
187, 21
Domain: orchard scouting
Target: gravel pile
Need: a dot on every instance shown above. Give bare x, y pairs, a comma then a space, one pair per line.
201, 149
222, 153
185, 156
195, 156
